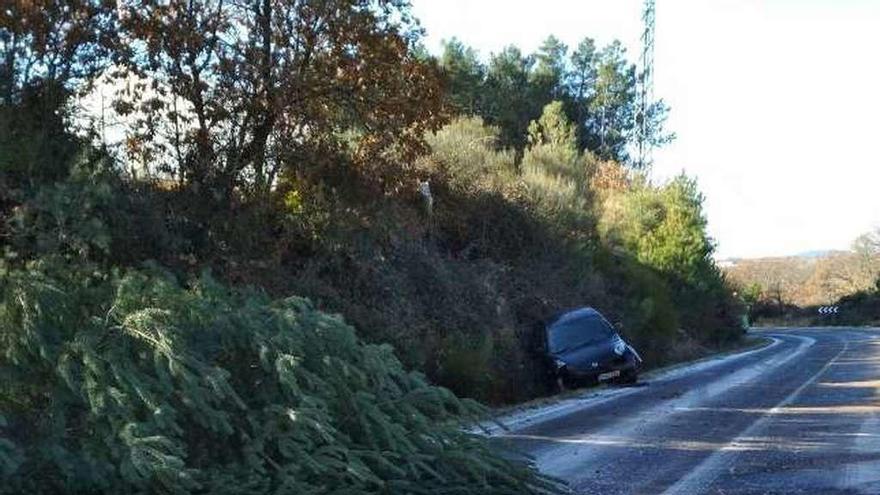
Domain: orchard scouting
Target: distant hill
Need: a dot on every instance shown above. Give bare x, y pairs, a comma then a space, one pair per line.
805, 255
820, 253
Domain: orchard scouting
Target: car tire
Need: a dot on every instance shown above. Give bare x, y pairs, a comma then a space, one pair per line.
629, 377
568, 382
560, 384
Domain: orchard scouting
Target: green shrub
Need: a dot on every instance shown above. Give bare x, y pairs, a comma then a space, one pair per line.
642, 301
66, 218
466, 362
466, 152
664, 229
556, 176
133, 384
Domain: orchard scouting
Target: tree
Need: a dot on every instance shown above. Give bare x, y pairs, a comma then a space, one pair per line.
548, 76
48, 49
466, 150
665, 228
554, 129
612, 106
556, 172
841, 274
52, 42
752, 293
679, 244
116, 384
581, 82
597, 88
866, 250
243, 91
510, 105
655, 134
465, 77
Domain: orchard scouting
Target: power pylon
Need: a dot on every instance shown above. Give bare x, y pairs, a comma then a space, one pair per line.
646, 89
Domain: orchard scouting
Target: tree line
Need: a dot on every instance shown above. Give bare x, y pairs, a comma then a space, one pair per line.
597, 87
797, 285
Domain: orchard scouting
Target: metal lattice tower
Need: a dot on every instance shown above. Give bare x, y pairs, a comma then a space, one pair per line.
646, 88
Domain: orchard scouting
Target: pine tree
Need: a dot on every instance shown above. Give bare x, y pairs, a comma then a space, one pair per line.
131, 383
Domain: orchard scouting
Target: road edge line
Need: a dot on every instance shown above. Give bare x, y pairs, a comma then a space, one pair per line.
513, 420
699, 477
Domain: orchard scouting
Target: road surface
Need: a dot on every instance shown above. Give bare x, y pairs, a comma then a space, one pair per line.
801, 415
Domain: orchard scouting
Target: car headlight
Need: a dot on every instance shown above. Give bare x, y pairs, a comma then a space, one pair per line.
559, 364
619, 348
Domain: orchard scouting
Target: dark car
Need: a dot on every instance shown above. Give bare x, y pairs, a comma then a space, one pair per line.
581, 346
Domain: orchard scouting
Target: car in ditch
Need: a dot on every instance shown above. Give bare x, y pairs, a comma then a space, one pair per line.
581, 347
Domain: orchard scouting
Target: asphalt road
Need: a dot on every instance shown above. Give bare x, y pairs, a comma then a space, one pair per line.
799, 416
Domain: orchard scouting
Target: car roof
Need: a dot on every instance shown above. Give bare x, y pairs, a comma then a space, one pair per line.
573, 315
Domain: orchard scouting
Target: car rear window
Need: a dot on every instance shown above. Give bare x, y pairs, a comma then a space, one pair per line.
574, 333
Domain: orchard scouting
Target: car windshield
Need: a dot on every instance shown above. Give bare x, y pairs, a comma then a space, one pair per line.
575, 333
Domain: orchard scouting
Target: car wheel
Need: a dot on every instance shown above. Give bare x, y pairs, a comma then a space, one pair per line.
569, 382
560, 384
629, 377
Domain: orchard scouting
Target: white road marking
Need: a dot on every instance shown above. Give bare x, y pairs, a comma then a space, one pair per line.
566, 457
864, 477
533, 416
710, 468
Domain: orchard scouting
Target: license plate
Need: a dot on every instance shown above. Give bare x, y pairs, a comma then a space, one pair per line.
609, 375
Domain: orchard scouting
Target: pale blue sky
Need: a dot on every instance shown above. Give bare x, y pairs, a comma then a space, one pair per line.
775, 103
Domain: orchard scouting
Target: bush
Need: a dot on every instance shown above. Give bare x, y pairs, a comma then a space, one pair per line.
131, 383
664, 229
465, 151
556, 174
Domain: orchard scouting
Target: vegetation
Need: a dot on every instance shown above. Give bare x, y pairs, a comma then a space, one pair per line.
596, 87
311, 150
144, 385
796, 286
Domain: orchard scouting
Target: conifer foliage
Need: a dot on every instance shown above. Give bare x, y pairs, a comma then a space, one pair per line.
144, 386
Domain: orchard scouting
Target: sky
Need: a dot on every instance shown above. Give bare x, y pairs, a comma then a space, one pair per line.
775, 103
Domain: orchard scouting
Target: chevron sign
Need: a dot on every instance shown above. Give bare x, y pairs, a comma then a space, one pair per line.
828, 310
